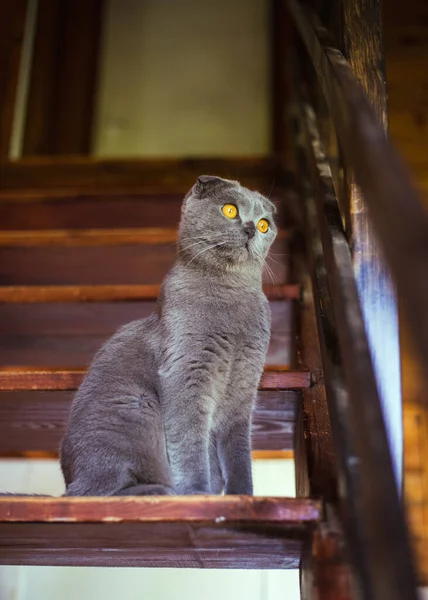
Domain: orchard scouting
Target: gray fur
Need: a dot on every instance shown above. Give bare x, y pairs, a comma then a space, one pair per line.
166, 405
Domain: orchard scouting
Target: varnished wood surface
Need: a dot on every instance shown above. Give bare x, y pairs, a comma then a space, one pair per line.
176, 175
380, 174
326, 572
81, 208
34, 421
27, 378
112, 293
363, 48
200, 532
160, 509
48, 334
104, 265
379, 547
93, 237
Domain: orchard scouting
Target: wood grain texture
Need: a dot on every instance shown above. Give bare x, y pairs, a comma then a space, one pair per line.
34, 421
48, 334
363, 48
80, 208
380, 174
93, 237
383, 564
104, 265
27, 378
175, 175
199, 532
326, 572
87, 237
111, 293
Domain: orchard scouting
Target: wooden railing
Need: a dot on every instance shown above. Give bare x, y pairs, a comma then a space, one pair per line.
370, 507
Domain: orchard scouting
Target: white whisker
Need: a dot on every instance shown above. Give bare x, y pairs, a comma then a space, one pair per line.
205, 250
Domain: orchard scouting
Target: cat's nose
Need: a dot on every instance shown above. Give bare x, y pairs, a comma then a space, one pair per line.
250, 229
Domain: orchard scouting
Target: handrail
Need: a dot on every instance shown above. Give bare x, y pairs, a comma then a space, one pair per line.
373, 515
400, 221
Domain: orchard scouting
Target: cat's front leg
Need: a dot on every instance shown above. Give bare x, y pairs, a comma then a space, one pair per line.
234, 432
235, 456
187, 391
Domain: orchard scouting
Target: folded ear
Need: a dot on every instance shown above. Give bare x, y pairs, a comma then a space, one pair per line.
206, 184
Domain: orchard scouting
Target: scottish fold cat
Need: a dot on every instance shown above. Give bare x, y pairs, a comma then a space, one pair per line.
166, 405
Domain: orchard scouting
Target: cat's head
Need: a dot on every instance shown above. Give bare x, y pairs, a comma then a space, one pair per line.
225, 224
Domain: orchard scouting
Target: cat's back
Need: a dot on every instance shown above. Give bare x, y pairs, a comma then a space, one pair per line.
128, 358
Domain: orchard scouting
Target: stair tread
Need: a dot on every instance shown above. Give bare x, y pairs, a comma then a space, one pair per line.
112, 292
34, 420
63, 378
185, 531
94, 236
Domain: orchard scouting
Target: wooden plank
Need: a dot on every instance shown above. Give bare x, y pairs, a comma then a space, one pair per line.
363, 48
88, 237
81, 208
380, 174
326, 572
12, 28
175, 175
70, 334
78, 293
103, 265
151, 509
93, 237
379, 546
200, 532
35, 421
111, 293
16, 378
99, 318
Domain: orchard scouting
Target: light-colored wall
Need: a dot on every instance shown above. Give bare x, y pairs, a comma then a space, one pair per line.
271, 477
187, 78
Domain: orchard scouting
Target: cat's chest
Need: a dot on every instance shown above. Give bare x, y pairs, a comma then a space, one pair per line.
247, 318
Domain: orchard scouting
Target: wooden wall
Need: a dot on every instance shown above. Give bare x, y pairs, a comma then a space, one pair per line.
406, 48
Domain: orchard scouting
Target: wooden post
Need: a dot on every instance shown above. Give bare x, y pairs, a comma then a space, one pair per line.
362, 42
12, 27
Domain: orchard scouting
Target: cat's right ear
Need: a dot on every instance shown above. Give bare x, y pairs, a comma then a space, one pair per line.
206, 184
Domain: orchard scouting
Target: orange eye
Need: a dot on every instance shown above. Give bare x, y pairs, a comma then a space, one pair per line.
263, 225
230, 211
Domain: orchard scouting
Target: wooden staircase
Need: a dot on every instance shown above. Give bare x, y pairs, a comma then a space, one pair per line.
69, 280
84, 246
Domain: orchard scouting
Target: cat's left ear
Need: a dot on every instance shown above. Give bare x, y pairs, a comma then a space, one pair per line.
206, 184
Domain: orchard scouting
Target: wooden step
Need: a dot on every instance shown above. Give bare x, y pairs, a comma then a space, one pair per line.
34, 420
93, 237
95, 208
114, 293
157, 174
88, 265
190, 531
48, 334
26, 378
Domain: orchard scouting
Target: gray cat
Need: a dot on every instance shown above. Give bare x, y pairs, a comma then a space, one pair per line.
166, 405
